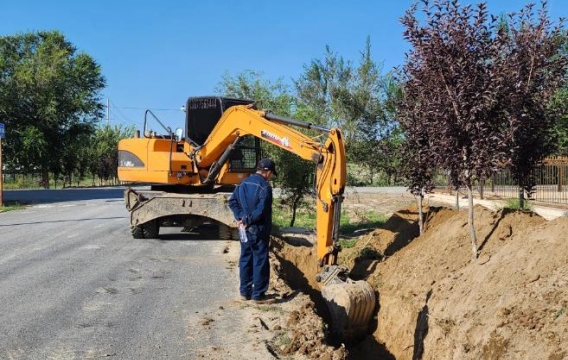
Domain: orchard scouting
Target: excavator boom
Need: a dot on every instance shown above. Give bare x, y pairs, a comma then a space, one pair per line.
329, 158
204, 160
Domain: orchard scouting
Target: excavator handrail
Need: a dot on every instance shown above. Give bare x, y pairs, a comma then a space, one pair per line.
167, 128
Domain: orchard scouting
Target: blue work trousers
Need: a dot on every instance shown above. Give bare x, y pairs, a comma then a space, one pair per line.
254, 267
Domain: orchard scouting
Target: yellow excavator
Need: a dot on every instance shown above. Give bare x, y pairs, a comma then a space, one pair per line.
191, 176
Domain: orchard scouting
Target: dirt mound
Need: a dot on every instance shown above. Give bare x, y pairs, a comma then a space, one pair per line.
435, 302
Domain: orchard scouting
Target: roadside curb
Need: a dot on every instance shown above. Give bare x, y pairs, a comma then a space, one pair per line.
548, 213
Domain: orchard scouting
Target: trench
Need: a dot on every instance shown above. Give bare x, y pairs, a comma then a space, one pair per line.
298, 264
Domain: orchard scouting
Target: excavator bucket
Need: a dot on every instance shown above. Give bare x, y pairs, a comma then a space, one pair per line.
351, 305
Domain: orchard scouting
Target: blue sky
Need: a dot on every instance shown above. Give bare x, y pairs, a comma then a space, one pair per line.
155, 54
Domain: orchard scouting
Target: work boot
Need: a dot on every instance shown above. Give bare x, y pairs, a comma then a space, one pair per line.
264, 300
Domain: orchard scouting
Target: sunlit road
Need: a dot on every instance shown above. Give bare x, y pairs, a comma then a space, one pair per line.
75, 285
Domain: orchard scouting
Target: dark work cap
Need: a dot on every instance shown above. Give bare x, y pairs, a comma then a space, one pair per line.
267, 164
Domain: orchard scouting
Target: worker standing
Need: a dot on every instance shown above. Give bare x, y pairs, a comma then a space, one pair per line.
251, 204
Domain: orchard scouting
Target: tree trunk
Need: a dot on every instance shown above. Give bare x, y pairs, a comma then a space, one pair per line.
472, 235
45, 179
458, 199
521, 199
294, 208
420, 215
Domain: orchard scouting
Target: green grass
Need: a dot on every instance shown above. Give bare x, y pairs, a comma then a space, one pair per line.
307, 218
365, 220
11, 205
348, 243
281, 217
515, 204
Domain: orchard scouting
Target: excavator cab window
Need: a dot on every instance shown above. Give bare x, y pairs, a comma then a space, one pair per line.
203, 113
245, 155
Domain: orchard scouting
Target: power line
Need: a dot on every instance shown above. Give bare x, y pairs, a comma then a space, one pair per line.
120, 113
137, 108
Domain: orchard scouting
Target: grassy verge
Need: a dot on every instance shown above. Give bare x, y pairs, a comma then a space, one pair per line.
350, 224
11, 205
515, 204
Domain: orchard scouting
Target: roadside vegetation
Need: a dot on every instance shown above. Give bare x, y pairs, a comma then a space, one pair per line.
11, 205
447, 110
351, 222
515, 205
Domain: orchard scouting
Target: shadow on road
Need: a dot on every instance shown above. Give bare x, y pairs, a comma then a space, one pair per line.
64, 221
203, 232
41, 196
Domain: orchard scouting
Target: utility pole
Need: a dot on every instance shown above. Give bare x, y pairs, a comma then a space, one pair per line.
2, 133
108, 111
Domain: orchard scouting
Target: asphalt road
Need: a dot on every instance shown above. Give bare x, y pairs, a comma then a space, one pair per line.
75, 285
77, 194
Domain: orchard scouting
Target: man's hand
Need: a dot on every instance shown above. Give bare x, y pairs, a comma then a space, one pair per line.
242, 222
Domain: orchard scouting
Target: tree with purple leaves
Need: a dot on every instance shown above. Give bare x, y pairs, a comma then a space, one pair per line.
476, 90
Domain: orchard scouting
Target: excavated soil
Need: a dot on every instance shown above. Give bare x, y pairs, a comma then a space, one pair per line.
434, 300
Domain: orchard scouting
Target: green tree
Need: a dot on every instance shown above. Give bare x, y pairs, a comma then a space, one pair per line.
318, 88
378, 144
321, 89
49, 94
559, 104
249, 84
293, 172
101, 155
355, 99
78, 138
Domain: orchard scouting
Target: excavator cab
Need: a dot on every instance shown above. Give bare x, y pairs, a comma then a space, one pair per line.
203, 114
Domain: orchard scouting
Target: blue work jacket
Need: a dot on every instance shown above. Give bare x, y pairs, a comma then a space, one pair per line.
251, 202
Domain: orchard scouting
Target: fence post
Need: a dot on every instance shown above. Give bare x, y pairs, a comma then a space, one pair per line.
560, 177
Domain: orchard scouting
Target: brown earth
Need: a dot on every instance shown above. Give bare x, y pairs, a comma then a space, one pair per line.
434, 301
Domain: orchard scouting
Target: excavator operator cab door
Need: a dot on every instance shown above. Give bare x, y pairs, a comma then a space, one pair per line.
203, 113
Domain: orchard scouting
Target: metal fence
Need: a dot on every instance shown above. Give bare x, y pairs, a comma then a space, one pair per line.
551, 183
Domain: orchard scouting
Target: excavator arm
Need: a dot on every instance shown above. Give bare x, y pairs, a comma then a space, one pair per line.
203, 160
329, 157
351, 303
